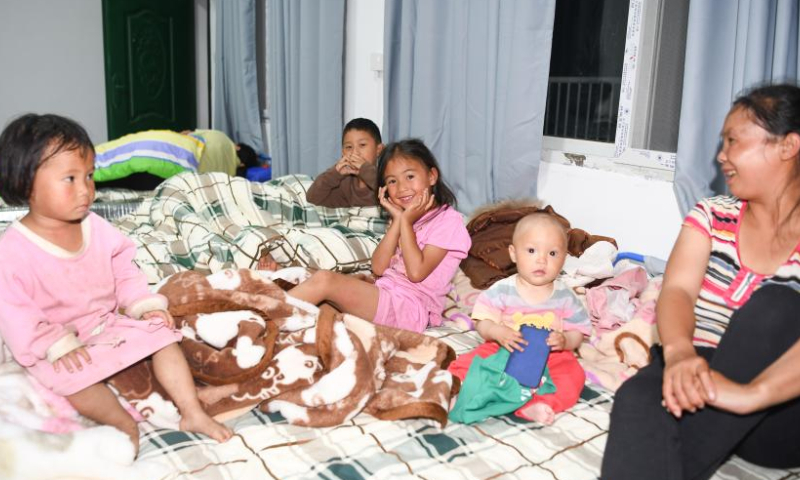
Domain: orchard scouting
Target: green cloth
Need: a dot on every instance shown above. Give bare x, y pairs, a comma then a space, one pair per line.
488, 391
547, 385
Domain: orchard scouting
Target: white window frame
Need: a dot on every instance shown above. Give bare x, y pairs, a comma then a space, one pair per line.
634, 110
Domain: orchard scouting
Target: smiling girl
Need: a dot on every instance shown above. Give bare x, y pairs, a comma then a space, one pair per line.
416, 259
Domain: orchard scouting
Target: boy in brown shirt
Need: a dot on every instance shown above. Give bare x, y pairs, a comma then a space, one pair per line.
352, 181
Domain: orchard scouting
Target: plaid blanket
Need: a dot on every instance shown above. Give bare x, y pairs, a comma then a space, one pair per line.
266, 446
210, 222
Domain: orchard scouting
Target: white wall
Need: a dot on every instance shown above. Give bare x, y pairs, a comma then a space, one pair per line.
640, 213
51, 54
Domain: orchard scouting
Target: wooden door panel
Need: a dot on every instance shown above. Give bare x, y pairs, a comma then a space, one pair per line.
149, 57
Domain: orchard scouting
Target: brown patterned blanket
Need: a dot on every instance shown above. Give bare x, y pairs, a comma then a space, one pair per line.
315, 366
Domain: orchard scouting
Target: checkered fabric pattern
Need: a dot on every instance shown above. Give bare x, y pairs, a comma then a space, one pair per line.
209, 222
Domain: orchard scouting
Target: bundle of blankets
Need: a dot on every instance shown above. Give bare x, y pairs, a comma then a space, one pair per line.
212, 222
315, 366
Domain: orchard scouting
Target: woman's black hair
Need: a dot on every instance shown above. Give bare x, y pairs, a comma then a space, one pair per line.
29, 141
775, 108
415, 149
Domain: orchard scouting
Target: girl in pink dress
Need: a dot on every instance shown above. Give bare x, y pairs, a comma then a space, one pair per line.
416, 259
74, 308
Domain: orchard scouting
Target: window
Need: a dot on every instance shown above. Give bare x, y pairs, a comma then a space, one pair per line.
616, 71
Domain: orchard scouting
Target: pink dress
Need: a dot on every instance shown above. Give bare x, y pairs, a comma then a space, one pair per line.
413, 306
52, 301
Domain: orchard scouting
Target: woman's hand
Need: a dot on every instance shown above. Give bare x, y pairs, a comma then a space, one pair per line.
164, 315
421, 205
687, 382
72, 360
733, 397
394, 210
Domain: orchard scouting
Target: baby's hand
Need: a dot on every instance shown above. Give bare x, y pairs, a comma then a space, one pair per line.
162, 314
388, 204
508, 338
72, 360
556, 341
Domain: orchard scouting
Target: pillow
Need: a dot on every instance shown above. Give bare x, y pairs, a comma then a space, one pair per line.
162, 153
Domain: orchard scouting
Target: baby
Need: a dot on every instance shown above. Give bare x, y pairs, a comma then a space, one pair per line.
534, 295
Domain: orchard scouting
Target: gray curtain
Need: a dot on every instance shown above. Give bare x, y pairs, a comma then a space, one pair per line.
305, 51
731, 45
469, 77
235, 108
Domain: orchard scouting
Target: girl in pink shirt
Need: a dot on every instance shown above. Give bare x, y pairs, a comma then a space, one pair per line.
416, 259
74, 308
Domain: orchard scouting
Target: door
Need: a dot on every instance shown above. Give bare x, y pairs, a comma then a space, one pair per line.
149, 63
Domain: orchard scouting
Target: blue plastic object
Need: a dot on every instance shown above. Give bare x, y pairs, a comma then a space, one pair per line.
528, 365
259, 174
653, 265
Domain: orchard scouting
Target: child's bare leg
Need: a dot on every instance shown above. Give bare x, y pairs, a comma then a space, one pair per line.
172, 371
539, 412
349, 294
210, 395
100, 404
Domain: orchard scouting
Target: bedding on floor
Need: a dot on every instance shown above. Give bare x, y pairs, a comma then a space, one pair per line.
267, 446
210, 222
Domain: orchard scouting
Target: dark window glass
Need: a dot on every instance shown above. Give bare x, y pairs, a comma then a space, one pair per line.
586, 68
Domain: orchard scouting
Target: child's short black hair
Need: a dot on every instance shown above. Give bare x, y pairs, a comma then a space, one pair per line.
247, 155
29, 141
363, 125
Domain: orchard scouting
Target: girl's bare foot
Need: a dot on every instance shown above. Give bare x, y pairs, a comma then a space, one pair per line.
198, 421
212, 394
266, 262
540, 412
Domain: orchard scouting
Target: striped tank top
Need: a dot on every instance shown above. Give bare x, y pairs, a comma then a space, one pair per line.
728, 284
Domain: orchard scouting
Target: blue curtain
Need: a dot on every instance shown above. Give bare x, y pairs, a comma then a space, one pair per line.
469, 77
731, 45
235, 108
305, 50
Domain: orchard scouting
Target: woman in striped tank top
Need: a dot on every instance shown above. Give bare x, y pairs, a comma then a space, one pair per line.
726, 380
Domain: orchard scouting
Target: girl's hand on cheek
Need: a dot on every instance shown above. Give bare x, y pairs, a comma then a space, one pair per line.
421, 205
388, 205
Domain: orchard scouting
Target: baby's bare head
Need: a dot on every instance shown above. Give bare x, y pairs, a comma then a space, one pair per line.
539, 223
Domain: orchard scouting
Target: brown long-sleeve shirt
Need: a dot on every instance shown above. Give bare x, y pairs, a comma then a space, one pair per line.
332, 189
